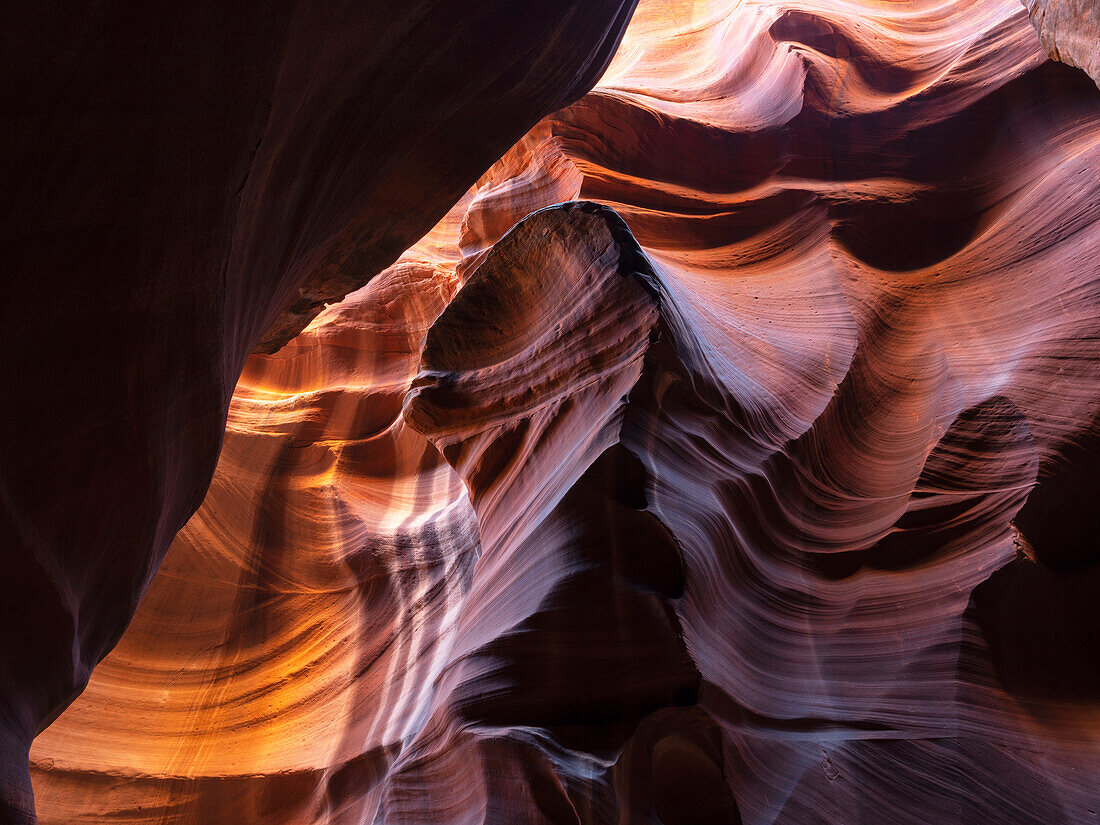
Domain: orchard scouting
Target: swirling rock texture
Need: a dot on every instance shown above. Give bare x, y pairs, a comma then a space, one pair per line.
728, 453
181, 183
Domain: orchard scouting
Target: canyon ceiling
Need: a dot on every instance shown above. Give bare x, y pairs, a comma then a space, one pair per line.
551, 412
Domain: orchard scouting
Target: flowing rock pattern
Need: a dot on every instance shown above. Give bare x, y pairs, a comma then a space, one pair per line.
287, 679
754, 484
182, 182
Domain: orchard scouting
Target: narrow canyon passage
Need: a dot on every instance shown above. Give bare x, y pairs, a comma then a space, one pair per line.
727, 453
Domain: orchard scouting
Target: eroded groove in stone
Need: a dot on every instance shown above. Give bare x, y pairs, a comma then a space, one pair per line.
724, 455
182, 183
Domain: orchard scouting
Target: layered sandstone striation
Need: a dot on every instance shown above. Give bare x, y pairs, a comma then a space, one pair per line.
727, 453
1069, 31
184, 182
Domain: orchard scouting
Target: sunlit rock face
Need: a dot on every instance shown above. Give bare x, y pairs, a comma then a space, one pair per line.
1069, 31
728, 453
184, 182
297, 625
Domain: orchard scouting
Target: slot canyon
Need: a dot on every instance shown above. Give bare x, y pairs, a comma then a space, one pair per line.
558, 412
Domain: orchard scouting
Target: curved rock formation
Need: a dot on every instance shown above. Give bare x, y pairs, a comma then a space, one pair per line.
181, 183
1069, 31
287, 675
754, 484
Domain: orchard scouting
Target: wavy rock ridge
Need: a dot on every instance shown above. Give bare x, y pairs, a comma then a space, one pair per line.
756, 486
183, 183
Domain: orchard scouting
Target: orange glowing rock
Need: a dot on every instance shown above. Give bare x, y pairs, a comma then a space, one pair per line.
184, 183
727, 453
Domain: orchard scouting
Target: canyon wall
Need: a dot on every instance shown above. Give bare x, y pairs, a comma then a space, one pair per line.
727, 453
182, 183
1069, 31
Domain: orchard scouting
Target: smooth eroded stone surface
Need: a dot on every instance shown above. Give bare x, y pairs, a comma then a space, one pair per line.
752, 484
181, 183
